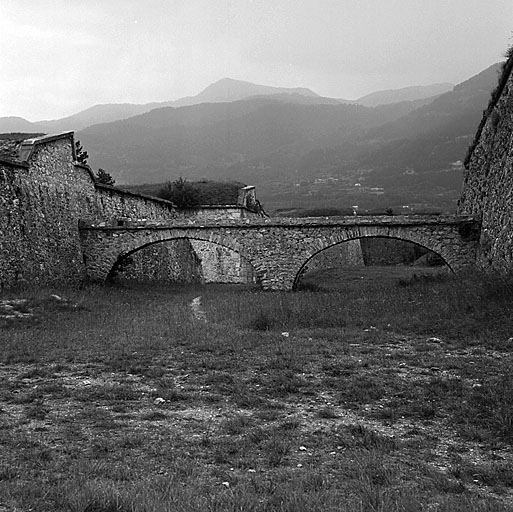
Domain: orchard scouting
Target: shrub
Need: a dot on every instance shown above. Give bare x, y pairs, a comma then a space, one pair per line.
180, 192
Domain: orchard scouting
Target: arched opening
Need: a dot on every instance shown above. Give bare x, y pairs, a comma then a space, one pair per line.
186, 261
374, 258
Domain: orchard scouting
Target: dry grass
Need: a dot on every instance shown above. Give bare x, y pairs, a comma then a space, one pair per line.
378, 396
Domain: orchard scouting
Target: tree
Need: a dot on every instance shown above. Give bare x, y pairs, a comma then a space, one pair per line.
80, 153
104, 178
180, 192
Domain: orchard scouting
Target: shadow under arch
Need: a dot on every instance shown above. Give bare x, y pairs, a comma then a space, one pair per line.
122, 258
300, 272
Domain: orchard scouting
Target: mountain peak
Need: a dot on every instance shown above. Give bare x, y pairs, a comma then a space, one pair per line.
230, 89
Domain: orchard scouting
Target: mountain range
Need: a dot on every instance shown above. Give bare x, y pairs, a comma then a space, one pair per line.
301, 150
224, 90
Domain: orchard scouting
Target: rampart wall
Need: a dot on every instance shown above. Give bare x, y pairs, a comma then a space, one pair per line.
168, 262
187, 261
347, 254
115, 204
41, 201
488, 183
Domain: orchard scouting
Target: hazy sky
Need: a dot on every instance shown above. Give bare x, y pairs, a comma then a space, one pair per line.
61, 56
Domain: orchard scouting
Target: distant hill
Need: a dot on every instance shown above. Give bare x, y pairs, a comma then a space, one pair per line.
228, 89
94, 115
17, 125
417, 92
416, 158
451, 114
206, 140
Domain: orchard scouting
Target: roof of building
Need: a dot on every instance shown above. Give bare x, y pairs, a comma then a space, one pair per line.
27, 146
17, 147
10, 144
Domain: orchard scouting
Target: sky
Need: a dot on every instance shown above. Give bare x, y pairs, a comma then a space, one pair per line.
59, 57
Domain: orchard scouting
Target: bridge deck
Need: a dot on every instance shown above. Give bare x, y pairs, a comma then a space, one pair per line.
283, 222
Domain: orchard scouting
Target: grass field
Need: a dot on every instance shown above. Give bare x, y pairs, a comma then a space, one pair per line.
382, 394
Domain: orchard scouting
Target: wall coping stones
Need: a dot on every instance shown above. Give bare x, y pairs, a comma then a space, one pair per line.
120, 191
14, 163
216, 206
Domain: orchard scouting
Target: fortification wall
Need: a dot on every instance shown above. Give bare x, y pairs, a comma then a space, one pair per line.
167, 262
41, 202
217, 212
186, 261
115, 205
347, 254
222, 265
488, 182
385, 251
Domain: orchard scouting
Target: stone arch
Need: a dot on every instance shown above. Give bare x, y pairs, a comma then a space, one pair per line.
213, 239
364, 236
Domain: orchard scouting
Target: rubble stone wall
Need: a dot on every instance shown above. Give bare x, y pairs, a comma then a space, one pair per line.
347, 254
167, 262
222, 265
488, 182
41, 203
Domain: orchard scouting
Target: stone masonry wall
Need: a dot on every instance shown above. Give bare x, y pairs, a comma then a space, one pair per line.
222, 265
369, 251
347, 254
115, 204
386, 251
41, 202
488, 183
212, 212
15, 241
166, 262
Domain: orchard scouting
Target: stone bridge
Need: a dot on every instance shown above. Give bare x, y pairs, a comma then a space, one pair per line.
279, 248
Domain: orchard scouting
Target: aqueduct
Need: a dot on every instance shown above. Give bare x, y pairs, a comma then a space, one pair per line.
278, 248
